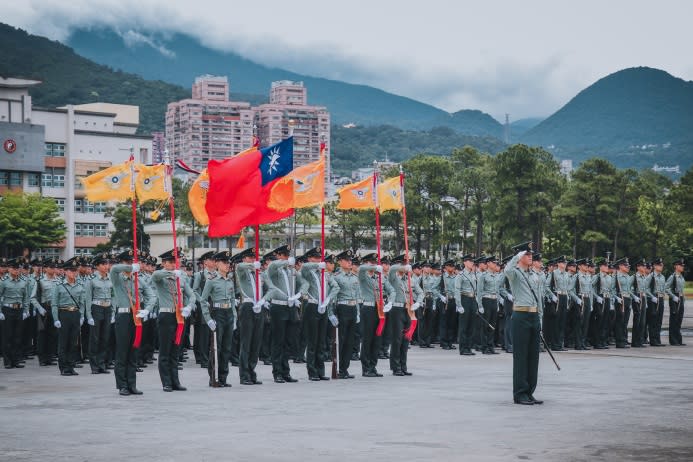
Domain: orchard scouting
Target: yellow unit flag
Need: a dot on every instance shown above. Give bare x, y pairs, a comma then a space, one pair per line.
357, 196
303, 187
390, 195
151, 183
197, 198
111, 184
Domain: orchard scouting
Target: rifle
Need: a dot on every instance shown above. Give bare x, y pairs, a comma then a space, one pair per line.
213, 368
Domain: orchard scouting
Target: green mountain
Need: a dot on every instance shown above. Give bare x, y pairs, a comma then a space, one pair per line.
185, 58
635, 117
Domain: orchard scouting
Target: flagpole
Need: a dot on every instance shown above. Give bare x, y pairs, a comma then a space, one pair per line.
381, 313
412, 328
179, 298
135, 259
257, 258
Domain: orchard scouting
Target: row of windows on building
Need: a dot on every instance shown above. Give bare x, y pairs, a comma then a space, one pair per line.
82, 206
54, 252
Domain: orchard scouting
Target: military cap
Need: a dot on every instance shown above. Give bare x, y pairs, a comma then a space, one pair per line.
249, 252
581, 261
480, 259
346, 255
152, 260
657, 261
468, 257
572, 262
38, 261
450, 262
269, 256
613, 266
53, 263
101, 258
561, 259
224, 255
590, 263
370, 258
602, 262
188, 266
329, 258
169, 255
302, 259
622, 262
355, 260
283, 250
84, 260
435, 265
416, 265
385, 260
506, 259
206, 256
525, 246
398, 259
679, 262
536, 257
315, 252
427, 264
15, 262
126, 255
71, 264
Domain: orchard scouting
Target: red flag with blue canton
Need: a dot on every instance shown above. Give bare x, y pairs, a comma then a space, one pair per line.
239, 188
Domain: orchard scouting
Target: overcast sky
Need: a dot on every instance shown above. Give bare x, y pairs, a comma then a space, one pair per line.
527, 57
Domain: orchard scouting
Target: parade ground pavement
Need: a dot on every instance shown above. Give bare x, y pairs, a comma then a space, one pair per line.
607, 405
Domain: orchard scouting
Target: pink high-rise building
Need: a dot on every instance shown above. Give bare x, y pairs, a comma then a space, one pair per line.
208, 126
288, 106
158, 147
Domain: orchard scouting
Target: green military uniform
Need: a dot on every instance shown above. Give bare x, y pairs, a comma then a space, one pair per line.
167, 322
430, 285
467, 283
369, 290
623, 284
346, 312
399, 318
655, 313
582, 296
560, 285
640, 302
604, 296
674, 288
15, 296
98, 293
488, 297
526, 329
47, 336
448, 314
201, 333
123, 301
68, 305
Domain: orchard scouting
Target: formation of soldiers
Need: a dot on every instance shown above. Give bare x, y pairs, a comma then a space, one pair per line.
311, 311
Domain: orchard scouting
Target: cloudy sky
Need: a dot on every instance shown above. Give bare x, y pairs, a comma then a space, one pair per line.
527, 58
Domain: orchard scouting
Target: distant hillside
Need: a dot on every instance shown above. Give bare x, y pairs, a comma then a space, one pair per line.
360, 146
522, 126
635, 117
347, 103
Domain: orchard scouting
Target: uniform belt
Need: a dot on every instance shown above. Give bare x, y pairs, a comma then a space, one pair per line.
561, 292
247, 300
164, 310
101, 302
525, 309
280, 302
347, 302
222, 305
492, 297
660, 294
368, 303
68, 308
398, 305
450, 297
468, 294
626, 296
15, 306
585, 295
605, 295
123, 310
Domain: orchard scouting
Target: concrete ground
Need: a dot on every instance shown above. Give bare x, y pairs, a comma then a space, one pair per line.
607, 405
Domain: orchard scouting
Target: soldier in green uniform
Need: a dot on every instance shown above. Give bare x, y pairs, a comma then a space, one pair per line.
466, 304
488, 296
656, 308
250, 318
369, 289
623, 285
15, 296
525, 325
218, 304
398, 307
346, 311
98, 293
69, 305
166, 281
640, 301
319, 292
604, 293
281, 278
448, 310
674, 289
201, 331
430, 285
582, 296
47, 335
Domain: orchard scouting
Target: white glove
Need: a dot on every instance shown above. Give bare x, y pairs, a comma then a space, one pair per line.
57, 324
379, 269
91, 322
510, 298
212, 324
323, 306
443, 298
178, 273
481, 310
291, 260
460, 309
654, 299
322, 265
41, 311
266, 305
333, 320
612, 307
407, 268
135, 268
152, 315
113, 319
579, 302
257, 265
636, 300
295, 297
81, 321
186, 311
257, 307
143, 314
358, 317
387, 307
415, 306
675, 299
25, 314
235, 323
600, 300
554, 298
2, 317
619, 299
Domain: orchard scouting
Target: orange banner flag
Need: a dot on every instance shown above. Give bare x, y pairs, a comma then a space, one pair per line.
303, 187
197, 198
390, 195
357, 196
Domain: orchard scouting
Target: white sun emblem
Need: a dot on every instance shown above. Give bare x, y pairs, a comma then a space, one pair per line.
274, 160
